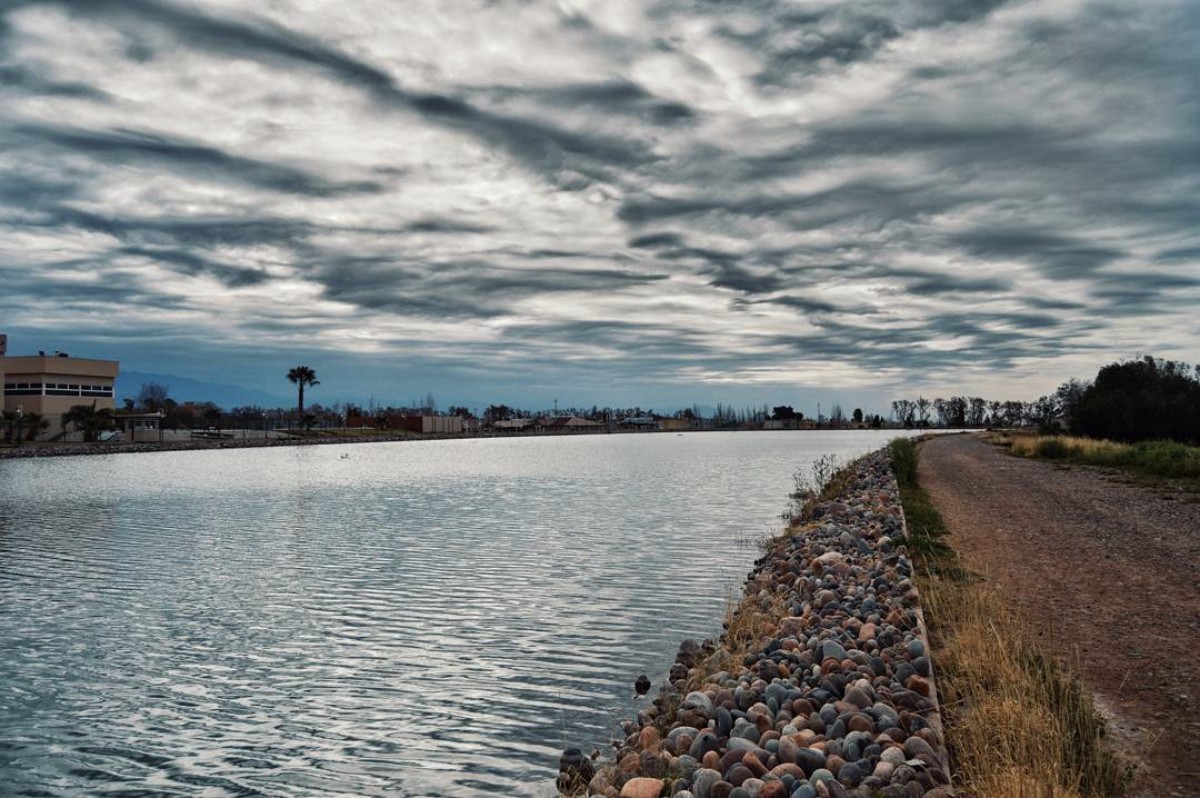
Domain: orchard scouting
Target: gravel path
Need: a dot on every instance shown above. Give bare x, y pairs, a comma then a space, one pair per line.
1109, 575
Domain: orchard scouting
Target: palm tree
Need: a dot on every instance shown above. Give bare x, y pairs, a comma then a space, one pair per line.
302, 376
35, 425
88, 420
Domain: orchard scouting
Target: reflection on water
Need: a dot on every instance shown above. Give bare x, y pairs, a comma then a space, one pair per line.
413, 619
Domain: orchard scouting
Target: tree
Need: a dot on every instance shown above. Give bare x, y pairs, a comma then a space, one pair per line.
858, 416
956, 411
903, 410
783, 413
923, 406
1069, 395
1143, 399
836, 416
976, 411
88, 420
152, 396
302, 376
35, 425
497, 413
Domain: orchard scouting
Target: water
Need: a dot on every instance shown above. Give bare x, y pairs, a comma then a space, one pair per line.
431, 618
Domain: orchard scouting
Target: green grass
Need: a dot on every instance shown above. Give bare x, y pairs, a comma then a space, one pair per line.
1156, 458
1018, 724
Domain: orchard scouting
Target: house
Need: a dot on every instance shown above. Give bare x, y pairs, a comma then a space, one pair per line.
563, 424
640, 422
139, 426
512, 424
675, 424
442, 425
51, 385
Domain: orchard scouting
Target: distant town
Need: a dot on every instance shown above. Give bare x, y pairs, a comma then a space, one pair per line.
54, 397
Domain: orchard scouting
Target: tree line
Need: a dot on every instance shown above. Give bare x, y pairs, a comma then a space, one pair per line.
1144, 398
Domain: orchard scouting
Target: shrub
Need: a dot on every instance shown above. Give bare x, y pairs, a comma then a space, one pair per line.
1051, 449
905, 457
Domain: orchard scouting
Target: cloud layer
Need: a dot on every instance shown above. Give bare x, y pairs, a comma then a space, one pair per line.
888, 193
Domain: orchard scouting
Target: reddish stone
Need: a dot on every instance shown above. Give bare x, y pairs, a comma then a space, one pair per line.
730, 759
649, 739
919, 685
755, 764
642, 788
860, 723
788, 769
773, 789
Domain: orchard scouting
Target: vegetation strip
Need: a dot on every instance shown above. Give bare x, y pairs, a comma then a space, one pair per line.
1018, 724
821, 684
1158, 458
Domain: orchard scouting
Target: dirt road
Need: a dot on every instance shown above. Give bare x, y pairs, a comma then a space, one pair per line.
1107, 572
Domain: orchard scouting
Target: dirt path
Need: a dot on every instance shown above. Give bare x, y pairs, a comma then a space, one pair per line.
1109, 575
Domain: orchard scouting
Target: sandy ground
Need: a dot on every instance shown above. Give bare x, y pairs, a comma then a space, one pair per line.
1107, 571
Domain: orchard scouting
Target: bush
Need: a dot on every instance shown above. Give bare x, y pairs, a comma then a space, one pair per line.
905, 457
1167, 458
1051, 449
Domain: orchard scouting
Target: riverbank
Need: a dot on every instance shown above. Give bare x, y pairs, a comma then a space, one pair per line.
821, 685
88, 449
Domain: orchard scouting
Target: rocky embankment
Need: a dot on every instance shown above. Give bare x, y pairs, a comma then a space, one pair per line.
821, 686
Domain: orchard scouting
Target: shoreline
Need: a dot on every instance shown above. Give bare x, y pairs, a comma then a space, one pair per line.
80, 449
821, 685
91, 449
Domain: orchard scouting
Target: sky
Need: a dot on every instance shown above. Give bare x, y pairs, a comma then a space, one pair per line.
603, 201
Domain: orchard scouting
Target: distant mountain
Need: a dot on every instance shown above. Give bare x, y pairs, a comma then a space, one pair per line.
184, 389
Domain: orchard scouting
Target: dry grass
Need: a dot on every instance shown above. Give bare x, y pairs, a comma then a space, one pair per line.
1018, 724
1074, 448
749, 625
1156, 458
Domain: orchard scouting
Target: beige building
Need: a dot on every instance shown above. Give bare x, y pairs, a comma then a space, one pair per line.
53, 384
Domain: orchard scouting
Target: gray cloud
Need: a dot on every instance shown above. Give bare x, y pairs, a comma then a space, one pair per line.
128, 145
886, 190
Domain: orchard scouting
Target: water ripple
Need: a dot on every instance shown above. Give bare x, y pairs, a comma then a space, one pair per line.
419, 619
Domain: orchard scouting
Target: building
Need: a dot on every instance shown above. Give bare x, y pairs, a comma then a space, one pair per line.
443, 425
50, 385
565, 424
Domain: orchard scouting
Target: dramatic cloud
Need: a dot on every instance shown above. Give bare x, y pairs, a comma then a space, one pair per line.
659, 198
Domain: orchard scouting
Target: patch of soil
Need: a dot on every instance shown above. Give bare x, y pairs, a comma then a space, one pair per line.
1107, 570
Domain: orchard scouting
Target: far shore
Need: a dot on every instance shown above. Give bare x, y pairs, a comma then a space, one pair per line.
78, 449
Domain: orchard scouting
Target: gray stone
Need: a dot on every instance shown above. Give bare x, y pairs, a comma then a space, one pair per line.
851, 774
703, 781
697, 700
